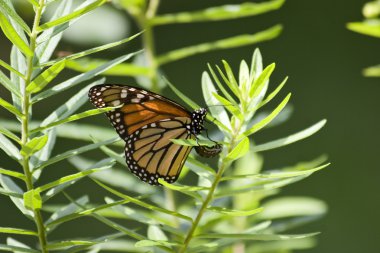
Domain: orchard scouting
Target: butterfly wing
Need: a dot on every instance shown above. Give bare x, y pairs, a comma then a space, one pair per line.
147, 122
150, 153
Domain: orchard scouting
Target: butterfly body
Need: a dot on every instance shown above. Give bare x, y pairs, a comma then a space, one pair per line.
147, 122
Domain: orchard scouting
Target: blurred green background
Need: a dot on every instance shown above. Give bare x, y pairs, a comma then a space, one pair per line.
324, 62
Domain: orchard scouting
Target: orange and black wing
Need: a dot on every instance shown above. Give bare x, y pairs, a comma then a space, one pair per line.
150, 153
138, 107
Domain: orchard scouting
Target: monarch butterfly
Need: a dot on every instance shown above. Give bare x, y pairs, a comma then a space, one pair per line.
147, 122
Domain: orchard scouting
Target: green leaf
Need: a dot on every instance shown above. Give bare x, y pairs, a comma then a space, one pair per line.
34, 3
232, 108
261, 81
182, 96
17, 249
34, 145
231, 11
192, 143
368, 27
13, 242
239, 150
151, 243
10, 194
66, 244
231, 81
65, 211
4, 80
74, 117
13, 36
17, 231
32, 199
80, 78
122, 69
9, 185
292, 207
10, 68
156, 234
233, 213
10, 108
91, 51
70, 178
10, 12
13, 174
9, 148
258, 237
220, 85
9, 134
143, 204
267, 119
272, 94
73, 152
232, 42
185, 189
373, 71
82, 213
216, 111
291, 138
256, 65
72, 15
45, 77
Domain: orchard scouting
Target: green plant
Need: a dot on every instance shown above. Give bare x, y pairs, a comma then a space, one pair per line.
229, 198
369, 26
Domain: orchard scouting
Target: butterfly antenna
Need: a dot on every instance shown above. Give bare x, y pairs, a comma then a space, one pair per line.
206, 130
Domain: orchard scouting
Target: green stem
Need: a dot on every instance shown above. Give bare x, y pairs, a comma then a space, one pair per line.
25, 125
223, 166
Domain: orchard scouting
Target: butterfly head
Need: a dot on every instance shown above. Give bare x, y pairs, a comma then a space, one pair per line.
197, 119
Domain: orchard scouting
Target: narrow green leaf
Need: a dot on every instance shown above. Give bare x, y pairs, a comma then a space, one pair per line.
72, 15
369, 27
9, 148
143, 204
261, 81
91, 51
65, 211
373, 71
74, 152
34, 145
74, 117
269, 118
10, 12
99, 240
13, 36
32, 199
10, 194
234, 213
216, 111
185, 189
258, 237
83, 213
239, 150
182, 96
220, 85
16, 195
70, 178
231, 11
45, 77
155, 233
66, 244
291, 138
34, 3
192, 143
10, 108
10, 135
13, 174
10, 68
122, 69
232, 83
278, 174
81, 78
17, 231
232, 108
151, 243
232, 42
285, 207
273, 94
17, 249
4, 80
